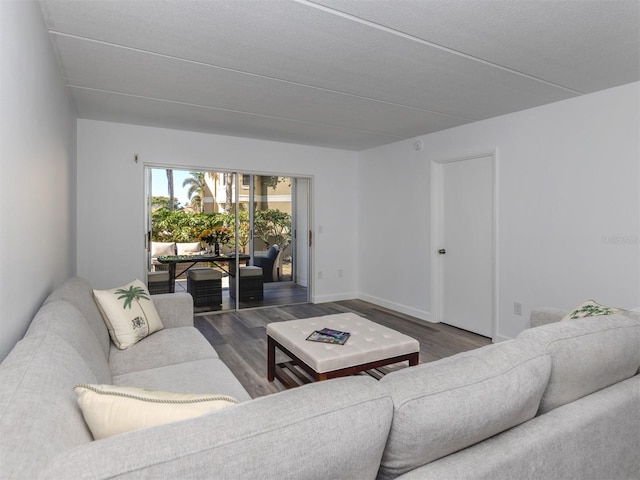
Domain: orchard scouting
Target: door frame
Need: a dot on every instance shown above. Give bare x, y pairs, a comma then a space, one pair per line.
437, 227
308, 212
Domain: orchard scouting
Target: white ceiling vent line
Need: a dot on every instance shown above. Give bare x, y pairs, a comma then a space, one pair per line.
228, 110
427, 43
256, 75
333, 73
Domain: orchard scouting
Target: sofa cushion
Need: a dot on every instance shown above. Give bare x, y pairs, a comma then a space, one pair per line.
39, 414
543, 315
78, 292
62, 319
447, 405
590, 308
326, 430
198, 376
128, 312
110, 410
588, 354
175, 309
159, 249
593, 438
188, 248
166, 347
272, 253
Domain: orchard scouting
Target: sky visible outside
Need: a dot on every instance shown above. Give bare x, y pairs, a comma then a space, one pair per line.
159, 185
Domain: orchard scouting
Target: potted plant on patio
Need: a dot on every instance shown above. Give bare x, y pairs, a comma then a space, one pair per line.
213, 237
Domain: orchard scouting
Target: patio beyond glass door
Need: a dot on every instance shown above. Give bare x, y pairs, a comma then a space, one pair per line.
221, 217
272, 207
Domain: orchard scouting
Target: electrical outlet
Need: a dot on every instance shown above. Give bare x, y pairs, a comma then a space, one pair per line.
340, 273
320, 275
517, 308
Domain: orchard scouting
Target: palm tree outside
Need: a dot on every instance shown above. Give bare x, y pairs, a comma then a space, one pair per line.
228, 185
197, 185
196, 202
170, 189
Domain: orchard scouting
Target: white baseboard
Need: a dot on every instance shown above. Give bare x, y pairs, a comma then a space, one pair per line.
333, 297
421, 314
500, 338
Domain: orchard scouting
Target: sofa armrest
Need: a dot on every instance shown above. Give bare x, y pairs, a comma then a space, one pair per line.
543, 315
175, 309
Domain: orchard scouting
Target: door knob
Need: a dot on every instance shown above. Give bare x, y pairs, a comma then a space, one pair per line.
442, 251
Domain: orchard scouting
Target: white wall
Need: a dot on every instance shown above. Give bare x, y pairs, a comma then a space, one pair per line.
110, 196
569, 206
37, 171
394, 230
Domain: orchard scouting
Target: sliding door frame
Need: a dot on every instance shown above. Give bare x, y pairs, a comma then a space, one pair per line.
296, 236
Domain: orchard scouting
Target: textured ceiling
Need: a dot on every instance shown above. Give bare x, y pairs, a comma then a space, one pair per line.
350, 74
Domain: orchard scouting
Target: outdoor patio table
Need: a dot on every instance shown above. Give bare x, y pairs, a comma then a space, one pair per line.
220, 261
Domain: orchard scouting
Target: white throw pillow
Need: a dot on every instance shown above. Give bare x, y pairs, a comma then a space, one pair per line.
129, 313
109, 410
159, 249
188, 248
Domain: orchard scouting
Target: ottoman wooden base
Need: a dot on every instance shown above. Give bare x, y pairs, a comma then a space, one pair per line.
374, 344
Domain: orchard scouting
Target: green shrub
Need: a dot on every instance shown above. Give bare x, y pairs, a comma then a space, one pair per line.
271, 226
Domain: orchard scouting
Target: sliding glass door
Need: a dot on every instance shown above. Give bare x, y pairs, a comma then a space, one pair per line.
260, 220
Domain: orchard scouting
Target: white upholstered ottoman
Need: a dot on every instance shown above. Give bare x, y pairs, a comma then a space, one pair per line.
370, 346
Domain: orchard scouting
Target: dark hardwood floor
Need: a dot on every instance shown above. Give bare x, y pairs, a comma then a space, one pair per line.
241, 341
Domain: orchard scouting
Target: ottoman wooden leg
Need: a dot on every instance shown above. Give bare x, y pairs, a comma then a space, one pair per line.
414, 359
271, 358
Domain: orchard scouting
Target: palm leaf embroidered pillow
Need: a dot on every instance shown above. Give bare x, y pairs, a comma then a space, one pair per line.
591, 309
128, 312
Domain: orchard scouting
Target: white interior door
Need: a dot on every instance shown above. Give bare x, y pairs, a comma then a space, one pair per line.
467, 250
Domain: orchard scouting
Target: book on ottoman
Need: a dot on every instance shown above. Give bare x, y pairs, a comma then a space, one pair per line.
328, 335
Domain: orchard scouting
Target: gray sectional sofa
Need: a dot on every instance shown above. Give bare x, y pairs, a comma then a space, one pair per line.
561, 401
